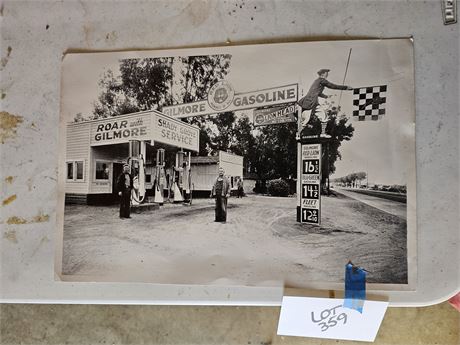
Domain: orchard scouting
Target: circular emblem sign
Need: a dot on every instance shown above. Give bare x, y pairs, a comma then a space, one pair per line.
259, 119
220, 96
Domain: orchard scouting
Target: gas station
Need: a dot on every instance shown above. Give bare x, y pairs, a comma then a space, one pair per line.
157, 147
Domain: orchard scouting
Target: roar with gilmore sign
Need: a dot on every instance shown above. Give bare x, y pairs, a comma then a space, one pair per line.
222, 98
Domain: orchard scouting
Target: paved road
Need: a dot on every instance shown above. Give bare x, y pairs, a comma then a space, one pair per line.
392, 207
382, 194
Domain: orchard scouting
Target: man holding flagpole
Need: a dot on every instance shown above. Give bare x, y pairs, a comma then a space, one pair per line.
309, 103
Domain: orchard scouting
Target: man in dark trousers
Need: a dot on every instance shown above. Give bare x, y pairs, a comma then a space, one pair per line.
125, 186
221, 192
310, 100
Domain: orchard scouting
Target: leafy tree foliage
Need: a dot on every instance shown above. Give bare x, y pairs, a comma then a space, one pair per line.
339, 130
351, 180
152, 83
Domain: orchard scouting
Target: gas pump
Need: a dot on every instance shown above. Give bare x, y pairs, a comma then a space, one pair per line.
178, 175
187, 178
160, 177
137, 167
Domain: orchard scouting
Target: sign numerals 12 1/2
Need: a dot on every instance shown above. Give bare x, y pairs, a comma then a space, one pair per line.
310, 215
311, 166
310, 191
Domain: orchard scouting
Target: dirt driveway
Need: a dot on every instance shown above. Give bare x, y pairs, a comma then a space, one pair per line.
261, 242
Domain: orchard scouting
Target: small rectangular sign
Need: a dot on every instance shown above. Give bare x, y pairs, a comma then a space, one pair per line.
311, 184
310, 178
310, 191
310, 215
327, 318
174, 132
274, 115
310, 203
121, 129
311, 166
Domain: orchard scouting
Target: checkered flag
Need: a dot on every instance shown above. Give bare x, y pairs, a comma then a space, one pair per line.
369, 102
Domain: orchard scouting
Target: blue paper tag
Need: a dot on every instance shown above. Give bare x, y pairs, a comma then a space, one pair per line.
355, 287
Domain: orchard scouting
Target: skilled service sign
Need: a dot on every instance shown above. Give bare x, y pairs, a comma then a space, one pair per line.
274, 115
311, 184
222, 98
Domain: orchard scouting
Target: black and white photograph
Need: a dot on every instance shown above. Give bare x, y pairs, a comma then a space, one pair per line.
239, 165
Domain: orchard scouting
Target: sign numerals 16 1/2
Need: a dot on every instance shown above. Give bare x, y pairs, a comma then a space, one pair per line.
311, 166
310, 215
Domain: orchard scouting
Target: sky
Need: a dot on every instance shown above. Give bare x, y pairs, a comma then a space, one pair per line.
380, 148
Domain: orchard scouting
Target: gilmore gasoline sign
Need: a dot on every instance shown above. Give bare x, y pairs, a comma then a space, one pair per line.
222, 98
310, 205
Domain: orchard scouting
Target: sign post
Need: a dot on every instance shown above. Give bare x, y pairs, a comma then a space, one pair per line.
310, 184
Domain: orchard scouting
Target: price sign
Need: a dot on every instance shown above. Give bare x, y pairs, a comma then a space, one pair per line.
310, 216
311, 184
310, 191
311, 166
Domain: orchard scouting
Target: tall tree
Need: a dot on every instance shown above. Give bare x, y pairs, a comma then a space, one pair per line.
152, 83
281, 149
197, 74
143, 84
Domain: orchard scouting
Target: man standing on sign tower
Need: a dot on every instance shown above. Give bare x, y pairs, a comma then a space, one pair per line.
309, 103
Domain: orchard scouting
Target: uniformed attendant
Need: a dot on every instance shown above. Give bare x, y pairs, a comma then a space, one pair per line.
221, 192
125, 186
240, 188
310, 100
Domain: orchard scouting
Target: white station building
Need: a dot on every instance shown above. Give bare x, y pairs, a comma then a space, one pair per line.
96, 150
206, 168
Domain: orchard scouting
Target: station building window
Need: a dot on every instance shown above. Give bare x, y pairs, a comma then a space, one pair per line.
75, 171
79, 170
69, 170
102, 170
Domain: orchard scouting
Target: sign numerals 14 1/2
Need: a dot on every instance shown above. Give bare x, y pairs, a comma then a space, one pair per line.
310, 191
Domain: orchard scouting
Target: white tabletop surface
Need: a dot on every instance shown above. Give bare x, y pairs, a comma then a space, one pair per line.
36, 34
